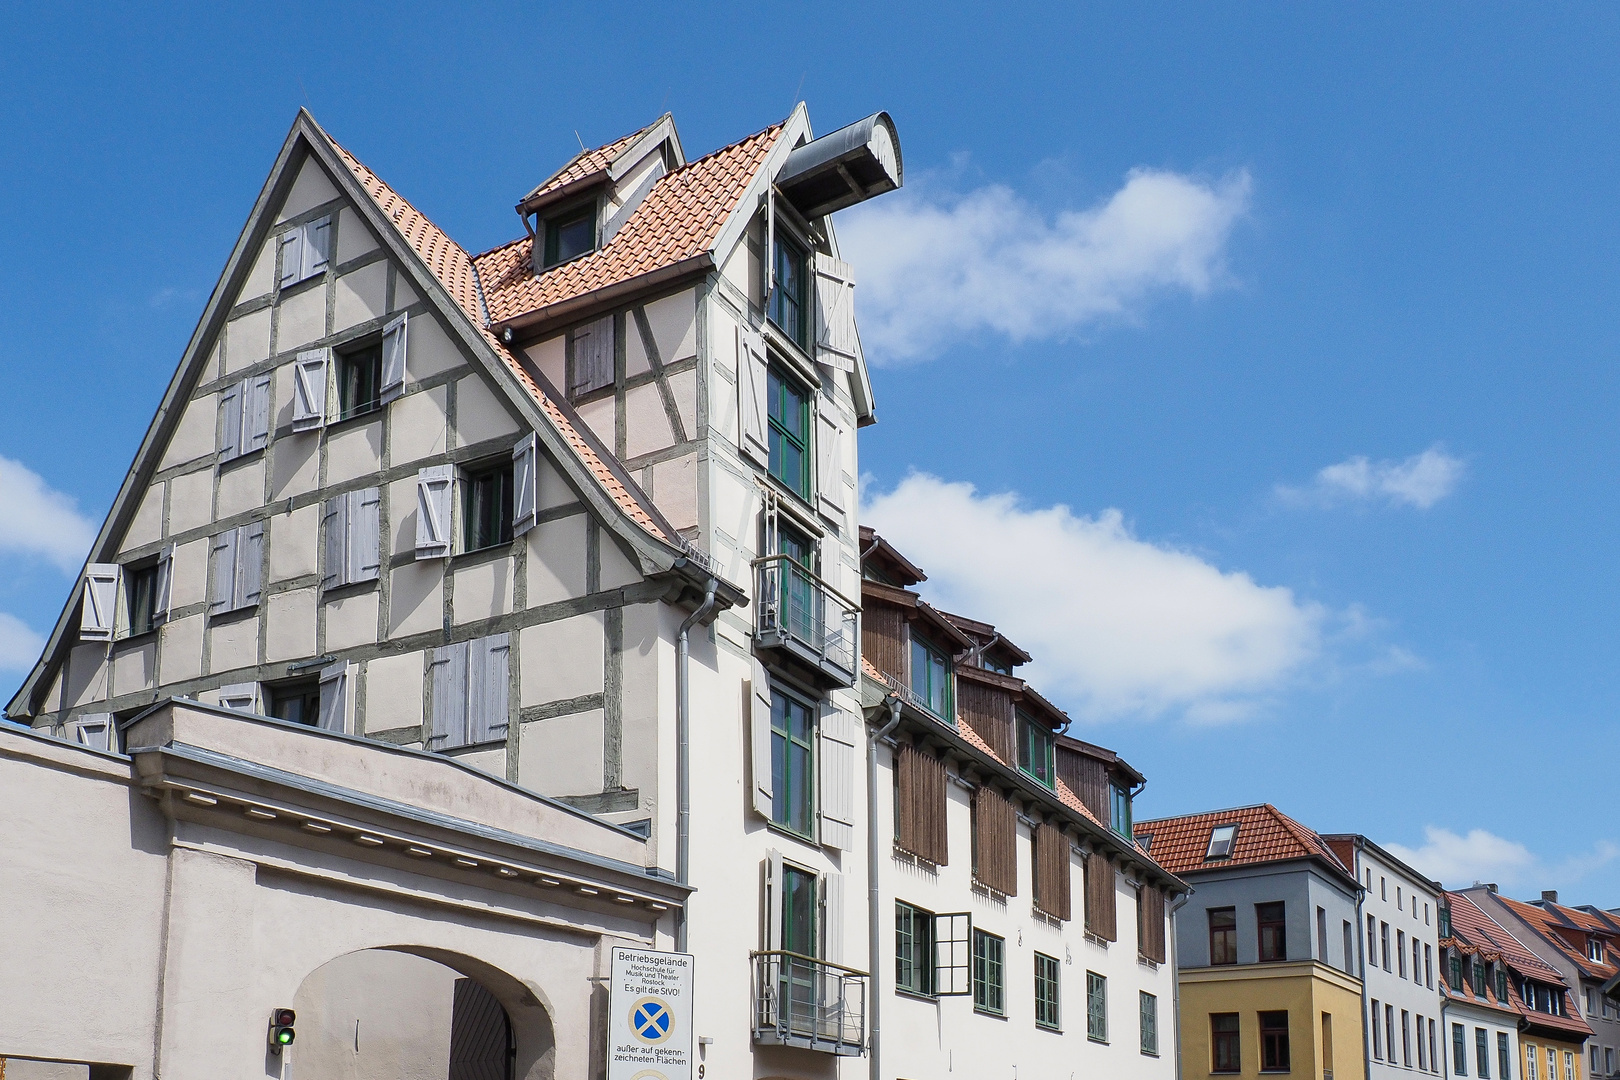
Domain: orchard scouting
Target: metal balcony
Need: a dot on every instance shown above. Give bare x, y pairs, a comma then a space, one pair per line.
797, 612
808, 1003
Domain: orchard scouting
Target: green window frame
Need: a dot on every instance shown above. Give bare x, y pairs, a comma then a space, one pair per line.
931, 677
570, 234
1148, 1010
989, 973
1037, 750
1459, 1050
1120, 809
799, 903
789, 308
1096, 1007
486, 507
141, 596
793, 764
913, 949
1456, 972
788, 417
359, 381
1048, 992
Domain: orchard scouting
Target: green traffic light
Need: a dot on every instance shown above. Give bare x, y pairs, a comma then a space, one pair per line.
284, 1037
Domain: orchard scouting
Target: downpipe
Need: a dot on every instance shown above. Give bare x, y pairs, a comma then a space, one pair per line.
683, 752
873, 930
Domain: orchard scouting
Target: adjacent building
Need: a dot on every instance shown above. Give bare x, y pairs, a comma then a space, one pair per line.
1268, 964
1483, 1010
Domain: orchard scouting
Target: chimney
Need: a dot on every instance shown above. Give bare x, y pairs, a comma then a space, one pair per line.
1491, 887
1549, 896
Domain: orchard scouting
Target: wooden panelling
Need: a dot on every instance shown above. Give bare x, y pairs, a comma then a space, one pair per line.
1088, 778
1100, 917
995, 842
1052, 871
988, 710
883, 638
1150, 922
921, 795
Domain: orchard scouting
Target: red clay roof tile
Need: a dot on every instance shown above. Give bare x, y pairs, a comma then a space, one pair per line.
1265, 834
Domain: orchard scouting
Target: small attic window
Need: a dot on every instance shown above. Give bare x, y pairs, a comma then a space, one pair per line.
570, 234
1145, 842
1221, 840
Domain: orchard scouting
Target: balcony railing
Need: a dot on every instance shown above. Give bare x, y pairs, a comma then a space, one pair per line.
809, 1003
797, 611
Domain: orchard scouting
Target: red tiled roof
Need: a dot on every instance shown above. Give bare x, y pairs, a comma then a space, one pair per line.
1546, 918
587, 162
1470, 924
1265, 834
450, 264
678, 220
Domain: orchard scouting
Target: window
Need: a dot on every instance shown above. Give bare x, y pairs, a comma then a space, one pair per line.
1349, 948
305, 250
1423, 1058
1274, 1042
1273, 931
1482, 1054
1456, 977
989, 973
1321, 934
238, 568
1048, 972
1383, 889
1417, 964
1531, 1058
1096, 1007
1591, 1000
1445, 921
570, 235
1434, 1049
1372, 937
931, 677
1398, 901
1400, 952
793, 740
1593, 1068
788, 418
1150, 1023
1608, 1055
1383, 943
1406, 1038
486, 507
141, 595
787, 300
1459, 1051
1569, 1065
1594, 949
1221, 840
1389, 1030
1035, 749
1327, 1046
1428, 966
297, 702
352, 529
1224, 1043
360, 381
470, 688
1223, 935
799, 902
1120, 818
1377, 1033
1479, 978
913, 949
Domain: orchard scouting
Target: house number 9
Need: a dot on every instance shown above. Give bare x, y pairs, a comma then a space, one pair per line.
700, 1072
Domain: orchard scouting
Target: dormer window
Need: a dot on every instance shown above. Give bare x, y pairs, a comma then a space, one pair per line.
931, 677
1035, 749
1222, 838
1594, 949
569, 235
1120, 810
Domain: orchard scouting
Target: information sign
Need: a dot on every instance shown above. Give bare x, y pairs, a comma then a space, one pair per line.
650, 1032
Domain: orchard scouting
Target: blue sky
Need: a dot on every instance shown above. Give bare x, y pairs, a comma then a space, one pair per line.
1232, 248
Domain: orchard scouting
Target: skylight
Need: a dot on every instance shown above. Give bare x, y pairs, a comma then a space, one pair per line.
1221, 839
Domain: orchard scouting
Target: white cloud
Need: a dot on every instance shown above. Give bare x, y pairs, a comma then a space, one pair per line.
1459, 861
933, 266
1118, 626
19, 645
37, 520
1421, 480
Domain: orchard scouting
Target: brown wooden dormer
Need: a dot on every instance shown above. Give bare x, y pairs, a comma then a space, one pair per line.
1095, 773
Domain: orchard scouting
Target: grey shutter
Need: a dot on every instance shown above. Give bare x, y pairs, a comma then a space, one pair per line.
393, 359
759, 729
593, 357
433, 511
95, 730
165, 583
752, 384
633, 200
364, 534
448, 675
525, 485
97, 612
830, 464
230, 424
317, 247
309, 389
486, 688
836, 341
249, 563
832, 917
337, 696
243, 696
335, 530
773, 900
255, 414
837, 780
223, 593
292, 257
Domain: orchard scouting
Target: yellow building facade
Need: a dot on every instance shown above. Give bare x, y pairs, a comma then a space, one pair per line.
1541, 1058
1323, 1021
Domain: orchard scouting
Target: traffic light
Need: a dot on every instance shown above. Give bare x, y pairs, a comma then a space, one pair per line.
281, 1029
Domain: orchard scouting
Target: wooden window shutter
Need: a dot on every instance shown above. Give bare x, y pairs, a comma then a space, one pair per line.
255, 414
249, 564
836, 765
1100, 914
309, 389
337, 696
1052, 871
222, 594
830, 464
759, 738
752, 387
317, 247
433, 511
292, 257
771, 895
832, 917
1150, 923
836, 341
525, 485
98, 611
243, 696
593, 357
364, 557
995, 841
447, 675
487, 688
230, 421
165, 586
335, 533
392, 383
95, 730
922, 805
